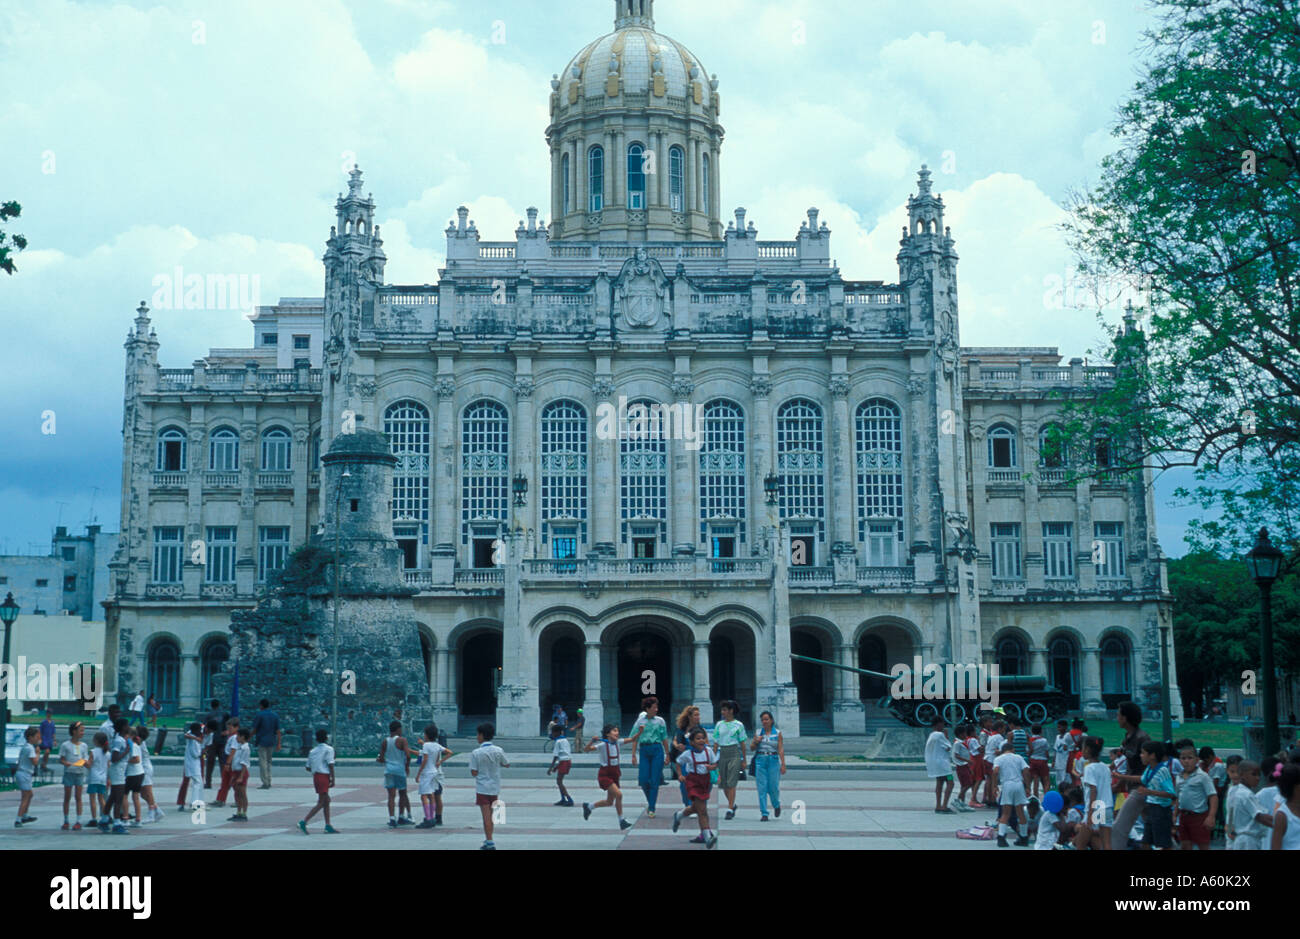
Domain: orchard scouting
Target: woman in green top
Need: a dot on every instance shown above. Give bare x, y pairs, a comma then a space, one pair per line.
651, 733
730, 736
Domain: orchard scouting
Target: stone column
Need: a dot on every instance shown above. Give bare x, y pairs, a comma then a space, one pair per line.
843, 513
1038, 661
188, 692
593, 708
696, 200
702, 697
620, 170
663, 167
517, 699
715, 190
760, 448
581, 178
443, 485
604, 493
525, 454
847, 715
1093, 705
683, 482
442, 704
610, 169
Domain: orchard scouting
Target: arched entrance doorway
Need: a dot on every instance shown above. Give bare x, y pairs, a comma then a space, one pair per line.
732, 669
811, 680
561, 671
873, 655
645, 661
480, 676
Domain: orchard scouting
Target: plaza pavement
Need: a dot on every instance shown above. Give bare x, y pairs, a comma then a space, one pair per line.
846, 807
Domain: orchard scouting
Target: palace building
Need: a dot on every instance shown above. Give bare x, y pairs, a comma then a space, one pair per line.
826, 471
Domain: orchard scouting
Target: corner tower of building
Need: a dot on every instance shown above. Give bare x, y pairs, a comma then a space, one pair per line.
635, 138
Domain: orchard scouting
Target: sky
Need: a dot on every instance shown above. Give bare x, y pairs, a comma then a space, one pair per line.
215, 136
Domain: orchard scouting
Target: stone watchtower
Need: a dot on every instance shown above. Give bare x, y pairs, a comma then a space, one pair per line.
286, 645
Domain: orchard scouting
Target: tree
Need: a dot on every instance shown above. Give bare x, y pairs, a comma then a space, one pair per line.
1201, 206
10, 244
1216, 623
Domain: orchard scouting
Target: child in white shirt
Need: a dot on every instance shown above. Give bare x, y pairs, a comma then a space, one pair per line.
697, 763
429, 777
320, 763
240, 758
1097, 797
561, 764
938, 765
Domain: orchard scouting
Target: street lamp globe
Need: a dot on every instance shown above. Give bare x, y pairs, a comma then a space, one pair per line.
8, 610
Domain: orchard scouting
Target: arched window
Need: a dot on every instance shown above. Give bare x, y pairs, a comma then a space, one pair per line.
1116, 670
564, 175
677, 179
1063, 664
276, 445
1104, 451
223, 451
564, 461
879, 426
1002, 447
643, 475
171, 450
215, 654
1011, 656
164, 672
704, 184
722, 468
636, 176
485, 465
406, 424
1052, 451
596, 178
800, 460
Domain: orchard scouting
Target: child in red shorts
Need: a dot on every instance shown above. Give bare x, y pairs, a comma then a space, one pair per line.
1040, 778
1198, 803
697, 763
320, 763
607, 777
561, 763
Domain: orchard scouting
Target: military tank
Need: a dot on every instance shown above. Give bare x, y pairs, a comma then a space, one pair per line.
1030, 697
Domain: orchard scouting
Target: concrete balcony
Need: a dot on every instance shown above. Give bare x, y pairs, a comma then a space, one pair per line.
171, 480
810, 576
645, 570
220, 480
481, 577
886, 576
277, 480
1008, 587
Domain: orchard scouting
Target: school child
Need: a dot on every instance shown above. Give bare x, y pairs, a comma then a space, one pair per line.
485, 764
561, 764
1286, 821
146, 784
1198, 803
48, 731
134, 777
396, 757
1118, 768
1019, 738
1061, 751
938, 765
1098, 799
1158, 788
961, 765
1271, 772
1051, 825
992, 750
320, 763
1247, 823
240, 758
1075, 762
428, 777
119, 754
1039, 772
729, 737
696, 763
24, 774
978, 768
74, 756
214, 745
1013, 780
607, 777
228, 746
97, 778
193, 769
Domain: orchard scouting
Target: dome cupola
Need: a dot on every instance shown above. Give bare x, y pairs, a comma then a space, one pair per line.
635, 139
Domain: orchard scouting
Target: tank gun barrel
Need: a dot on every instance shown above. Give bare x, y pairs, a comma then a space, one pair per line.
846, 668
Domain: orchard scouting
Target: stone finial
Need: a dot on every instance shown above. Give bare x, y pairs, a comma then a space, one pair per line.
532, 218
555, 82
740, 219
812, 218
923, 180
354, 181
462, 213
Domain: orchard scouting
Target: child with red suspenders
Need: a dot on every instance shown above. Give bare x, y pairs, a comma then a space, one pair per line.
697, 762
608, 775
977, 765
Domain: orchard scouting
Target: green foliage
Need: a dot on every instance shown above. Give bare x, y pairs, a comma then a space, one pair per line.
1216, 622
10, 244
1201, 206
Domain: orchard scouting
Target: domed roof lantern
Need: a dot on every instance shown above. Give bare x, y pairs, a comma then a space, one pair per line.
634, 13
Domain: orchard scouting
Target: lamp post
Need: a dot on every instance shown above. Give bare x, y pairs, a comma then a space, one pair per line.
1264, 562
8, 615
1167, 720
334, 675
520, 488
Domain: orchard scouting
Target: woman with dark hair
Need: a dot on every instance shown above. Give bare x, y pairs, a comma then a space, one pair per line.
651, 732
688, 718
729, 734
769, 764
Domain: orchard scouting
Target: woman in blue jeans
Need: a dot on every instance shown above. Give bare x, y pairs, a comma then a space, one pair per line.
769, 764
651, 733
